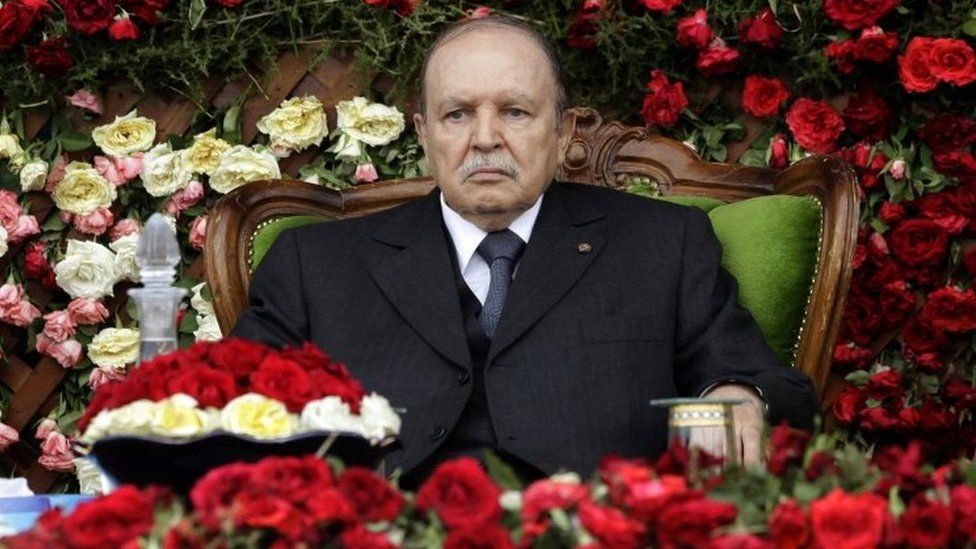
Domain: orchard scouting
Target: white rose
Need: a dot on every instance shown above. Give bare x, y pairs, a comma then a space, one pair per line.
178, 416
89, 477
378, 418
372, 123
83, 190
347, 147
125, 257
258, 416
297, 123
198, 302
133, 418
114, 347
87, 270
164, 171
9, 146
241, 164
126, 135
3, 241
208, 329
331, 414
203, 156
33, 176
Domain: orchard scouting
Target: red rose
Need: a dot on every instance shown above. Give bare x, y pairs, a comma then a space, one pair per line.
821, 464
327, 505
402, 7
849, 405
611, 527
51, 58
788, 526
963, 503
884, 384
296, 478
484, 537
939, 209
16, 20
868, 161
358, 537
891, 212
868, 115
146, 11
461, 494
35, 262
661, 6
787, 448
717, 59
927, 523
951, 309
959, 392
921, 336
123, 29
885, 417
897, 301
208, 386
919, 242
875, 45
111, 521
854, 14
843, 54
691, 522
285, 381
948, 132
763, 96
862, 316
847, 520
88, 17
256, 509
694, 31
915, 66
952, 60
664, 102
738, 541
761, 29
779, 152
849, 357
815, 125
213, 494
958, 164
372, 498
583, 30
238, 356
544, 495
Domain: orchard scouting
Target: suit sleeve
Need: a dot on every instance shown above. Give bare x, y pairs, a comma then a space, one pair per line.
276, 313
719, 341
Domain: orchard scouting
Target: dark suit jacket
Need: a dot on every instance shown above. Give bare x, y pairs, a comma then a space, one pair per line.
588, 335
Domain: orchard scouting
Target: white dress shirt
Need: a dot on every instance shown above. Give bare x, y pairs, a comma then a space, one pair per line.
467, 237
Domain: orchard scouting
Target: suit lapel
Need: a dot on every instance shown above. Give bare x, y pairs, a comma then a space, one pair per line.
418, 279
561, 248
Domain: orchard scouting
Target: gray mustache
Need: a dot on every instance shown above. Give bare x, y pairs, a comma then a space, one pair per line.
503, 163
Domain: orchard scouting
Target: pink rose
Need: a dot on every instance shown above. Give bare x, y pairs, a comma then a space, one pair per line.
59, 326
106, 168
105, 374
10, 295
8, 436
10, 211
56, 173
198, 232
184, 198
87, 311
56, 453
85, 99
26, 227
45, 428
129, 167
897, 169
21, 314
124, 227
67, 352
366, 173
95, 223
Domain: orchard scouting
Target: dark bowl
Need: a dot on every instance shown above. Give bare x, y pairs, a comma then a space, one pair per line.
144, 460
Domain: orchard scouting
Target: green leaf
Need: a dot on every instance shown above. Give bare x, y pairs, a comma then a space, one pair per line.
197, 9
930, 384
189, 324
74, 141
231, 128
858, 378
969, 27
53, 224
895, 504
501, 472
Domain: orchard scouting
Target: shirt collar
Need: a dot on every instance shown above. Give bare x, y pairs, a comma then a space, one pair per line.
467, 236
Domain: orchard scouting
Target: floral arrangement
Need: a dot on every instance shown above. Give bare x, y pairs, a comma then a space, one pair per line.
238, 387
810, 494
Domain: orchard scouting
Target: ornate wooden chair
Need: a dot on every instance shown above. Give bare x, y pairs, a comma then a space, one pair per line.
788, 236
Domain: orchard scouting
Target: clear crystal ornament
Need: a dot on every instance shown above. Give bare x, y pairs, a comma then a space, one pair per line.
157, 255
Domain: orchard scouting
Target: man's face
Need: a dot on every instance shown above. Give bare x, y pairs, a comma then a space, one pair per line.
490, 131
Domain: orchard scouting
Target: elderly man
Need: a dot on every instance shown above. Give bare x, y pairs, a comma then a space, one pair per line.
509, 312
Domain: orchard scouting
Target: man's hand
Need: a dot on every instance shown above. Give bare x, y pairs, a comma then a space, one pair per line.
748, 418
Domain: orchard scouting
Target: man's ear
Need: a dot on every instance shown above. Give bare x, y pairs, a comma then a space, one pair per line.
566, 130
418, 124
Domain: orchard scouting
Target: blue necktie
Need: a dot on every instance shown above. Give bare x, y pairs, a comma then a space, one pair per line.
501, 250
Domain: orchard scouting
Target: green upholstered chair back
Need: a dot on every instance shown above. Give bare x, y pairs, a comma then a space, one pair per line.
787, 236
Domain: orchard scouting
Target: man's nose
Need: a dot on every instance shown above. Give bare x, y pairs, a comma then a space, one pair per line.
486, 132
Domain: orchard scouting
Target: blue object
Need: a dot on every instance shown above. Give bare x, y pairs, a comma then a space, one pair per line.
20, 513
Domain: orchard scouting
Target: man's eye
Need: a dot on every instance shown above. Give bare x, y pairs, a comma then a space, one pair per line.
455, 115
517, 113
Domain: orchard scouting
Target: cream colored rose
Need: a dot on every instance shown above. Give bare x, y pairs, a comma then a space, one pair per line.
3, 242
128, 134
258, 416
240, 164
378, 418
33, 176
297, 123
179, 417
125, 257
114, 347
9, 146
198, 302
208, 329
134, 418
87, 270
372, 123
164, 171
331, 414
347, 147
89, 477
82, 190
203, 156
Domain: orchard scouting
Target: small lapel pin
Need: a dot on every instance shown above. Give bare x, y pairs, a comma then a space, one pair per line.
584, 247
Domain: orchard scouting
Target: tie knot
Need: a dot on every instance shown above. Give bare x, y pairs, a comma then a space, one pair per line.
501, 244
